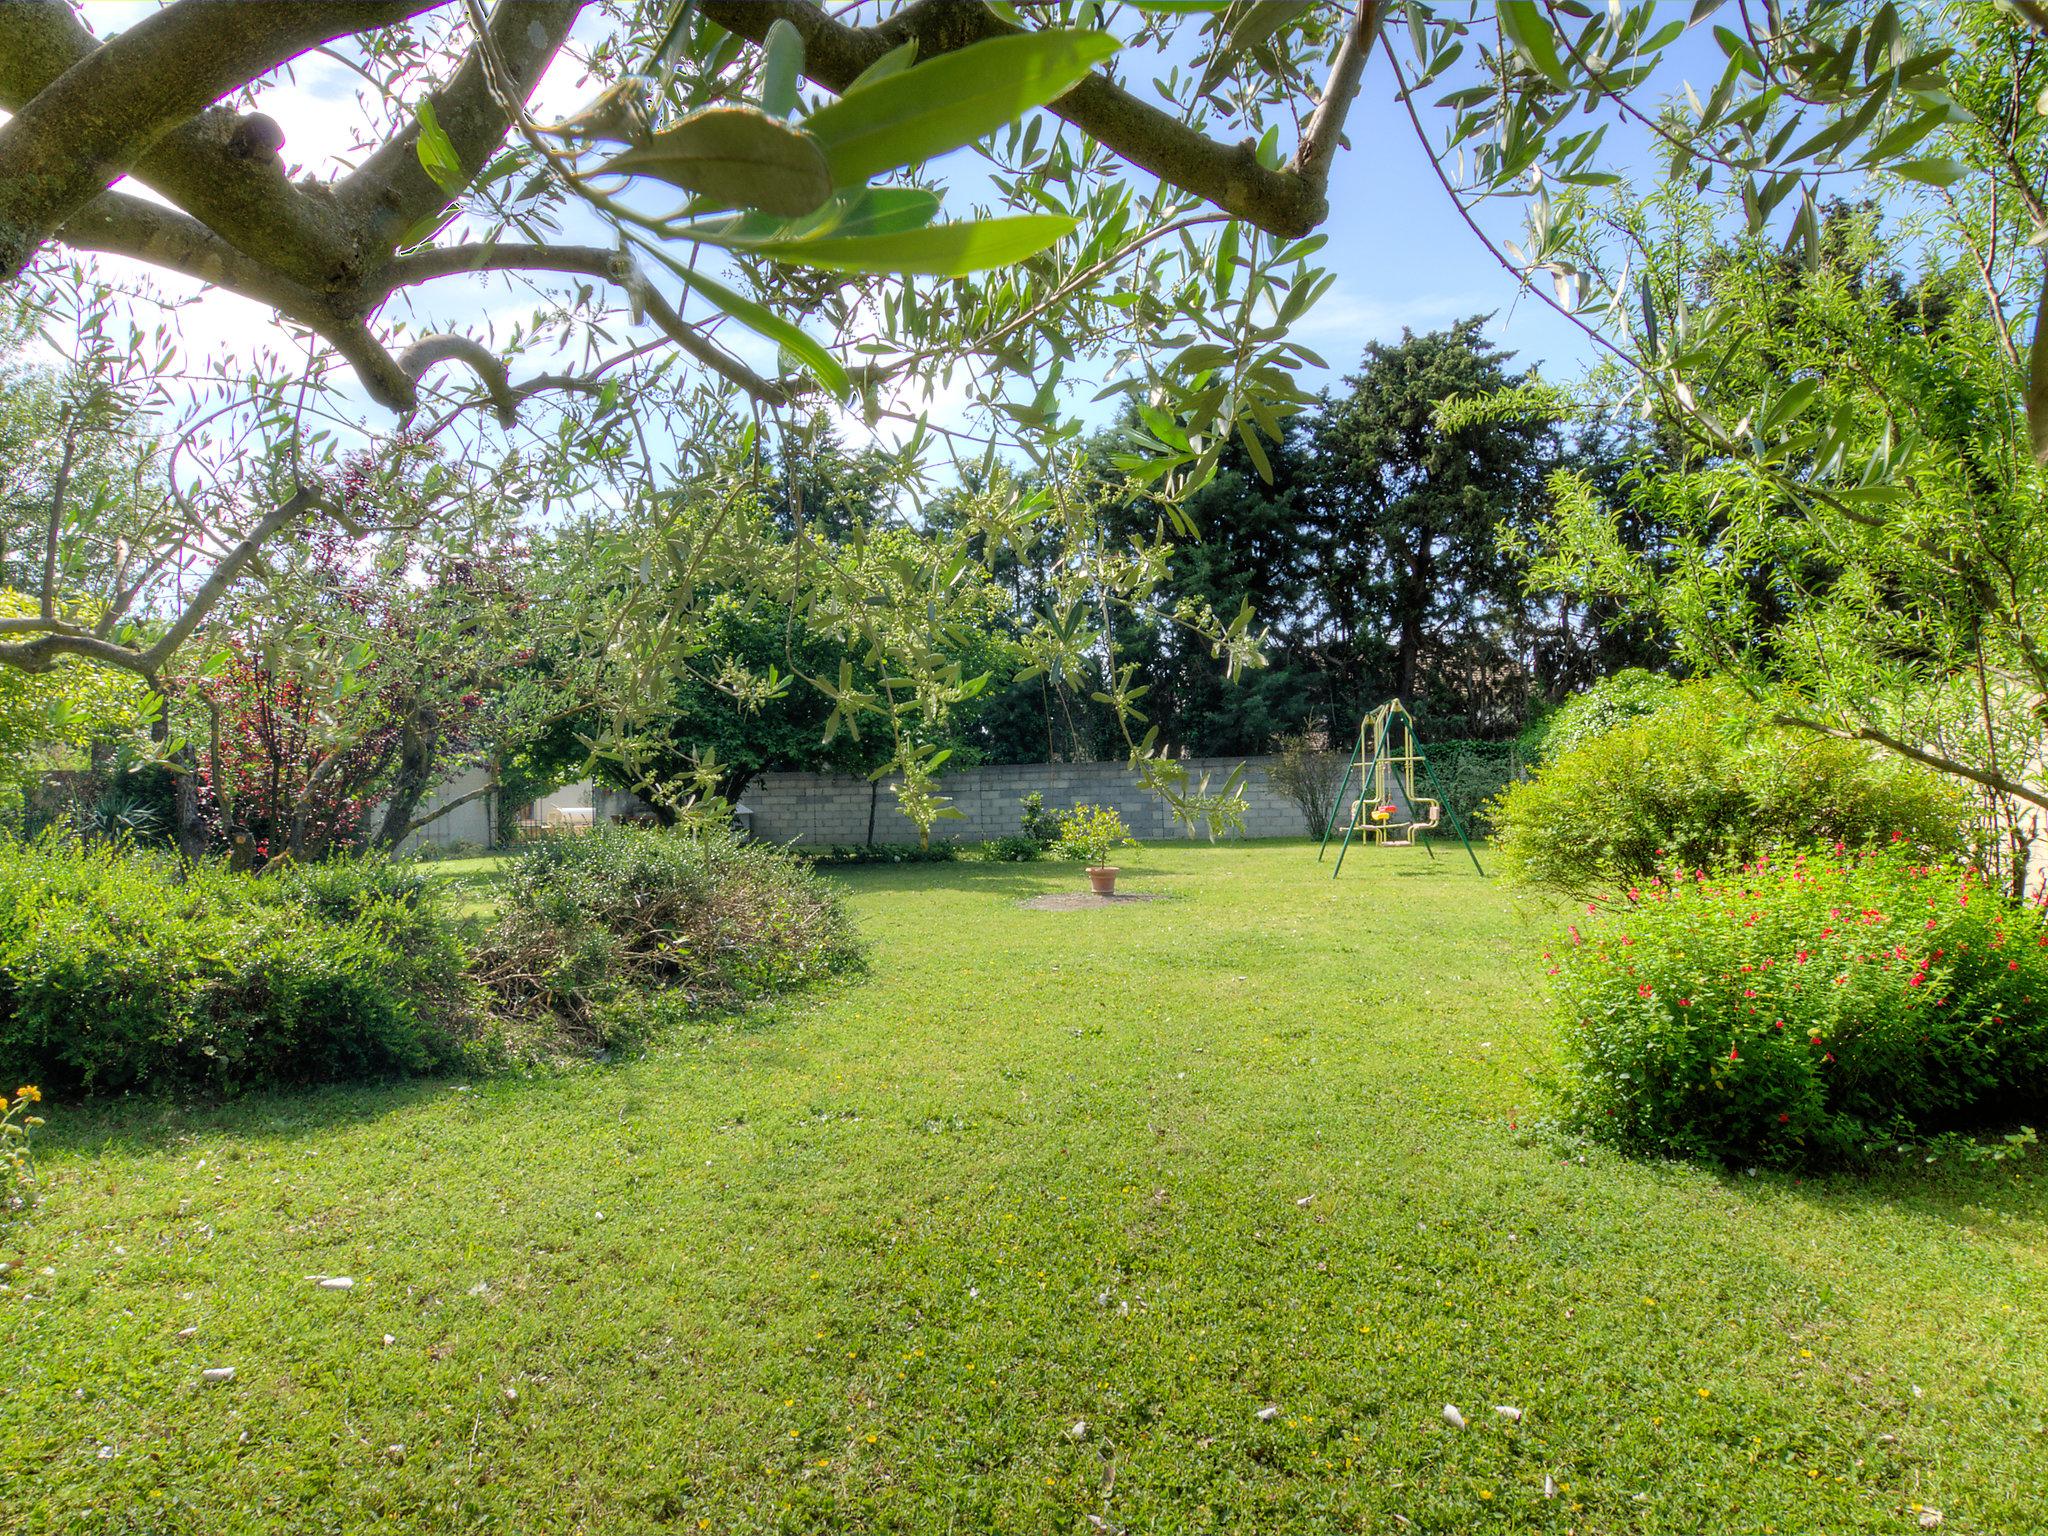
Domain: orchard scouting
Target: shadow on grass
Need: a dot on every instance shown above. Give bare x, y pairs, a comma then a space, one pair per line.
1013, 882
152, 1122
1932, 1183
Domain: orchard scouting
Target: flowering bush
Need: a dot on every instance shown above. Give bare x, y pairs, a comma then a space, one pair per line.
1092, 834
1795, 1011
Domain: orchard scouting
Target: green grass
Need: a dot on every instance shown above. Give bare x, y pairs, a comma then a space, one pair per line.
862, 1263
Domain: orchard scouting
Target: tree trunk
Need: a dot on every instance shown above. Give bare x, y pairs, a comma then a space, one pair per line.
188, 827
188, 831
1414, 610
419, 741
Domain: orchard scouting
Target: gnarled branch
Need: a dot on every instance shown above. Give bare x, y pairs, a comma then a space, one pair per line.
446, 347
392, 191
611, 266
1230, 176
96, 121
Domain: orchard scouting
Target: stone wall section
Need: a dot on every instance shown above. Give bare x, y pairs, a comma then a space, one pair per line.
825, 809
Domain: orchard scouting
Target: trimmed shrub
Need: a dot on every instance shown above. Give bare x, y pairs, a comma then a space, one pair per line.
1694, 784
598, 936
1092, 835
123, 970
1799, 1011
1036, 822
1018, 849
1470, 775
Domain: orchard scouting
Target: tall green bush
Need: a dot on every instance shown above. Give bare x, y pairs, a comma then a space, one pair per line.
1798, 1010
1697, 783
1627, 696
121, 970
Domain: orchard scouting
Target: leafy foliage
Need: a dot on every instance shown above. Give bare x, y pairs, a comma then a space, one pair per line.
1092, 834
1803, 1010
1410, 510
1629, 695
1854, 421
1702, 783
121, 970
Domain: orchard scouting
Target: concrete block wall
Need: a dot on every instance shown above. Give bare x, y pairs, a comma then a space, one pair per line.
474, 824
823, 809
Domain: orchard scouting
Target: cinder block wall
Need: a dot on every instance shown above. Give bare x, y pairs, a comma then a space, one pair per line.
825, 808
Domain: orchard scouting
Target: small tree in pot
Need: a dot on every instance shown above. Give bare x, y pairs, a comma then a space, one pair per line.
1092, 834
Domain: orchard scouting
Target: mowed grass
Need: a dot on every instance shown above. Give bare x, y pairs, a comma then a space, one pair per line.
869, 1262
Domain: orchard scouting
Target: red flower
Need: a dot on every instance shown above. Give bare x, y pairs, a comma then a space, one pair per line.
1733, 1054
1784, 1119
1643, 989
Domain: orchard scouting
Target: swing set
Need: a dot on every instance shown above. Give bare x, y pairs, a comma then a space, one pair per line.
1388, 811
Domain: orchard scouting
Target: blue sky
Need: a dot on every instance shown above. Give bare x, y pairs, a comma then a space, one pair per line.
1403, 256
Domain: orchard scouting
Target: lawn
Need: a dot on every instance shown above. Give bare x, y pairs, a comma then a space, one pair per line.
872, 1261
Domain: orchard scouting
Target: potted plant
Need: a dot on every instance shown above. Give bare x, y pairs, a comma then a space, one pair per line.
1092, 834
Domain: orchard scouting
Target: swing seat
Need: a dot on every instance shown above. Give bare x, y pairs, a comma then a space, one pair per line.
1431, 814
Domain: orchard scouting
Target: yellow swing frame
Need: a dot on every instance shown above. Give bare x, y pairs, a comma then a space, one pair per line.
1385, 756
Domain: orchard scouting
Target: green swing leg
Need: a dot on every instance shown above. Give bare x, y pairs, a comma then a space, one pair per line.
1456, 825
1379, 742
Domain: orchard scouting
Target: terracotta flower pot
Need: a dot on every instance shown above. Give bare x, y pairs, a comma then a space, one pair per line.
1102, 879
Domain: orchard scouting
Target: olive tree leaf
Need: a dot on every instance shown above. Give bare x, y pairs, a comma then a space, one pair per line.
1934, 171
782, 63
762, 321
894, 62
1245, 25
437, 152
951, 100
742, 157
939, 250
853, 211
